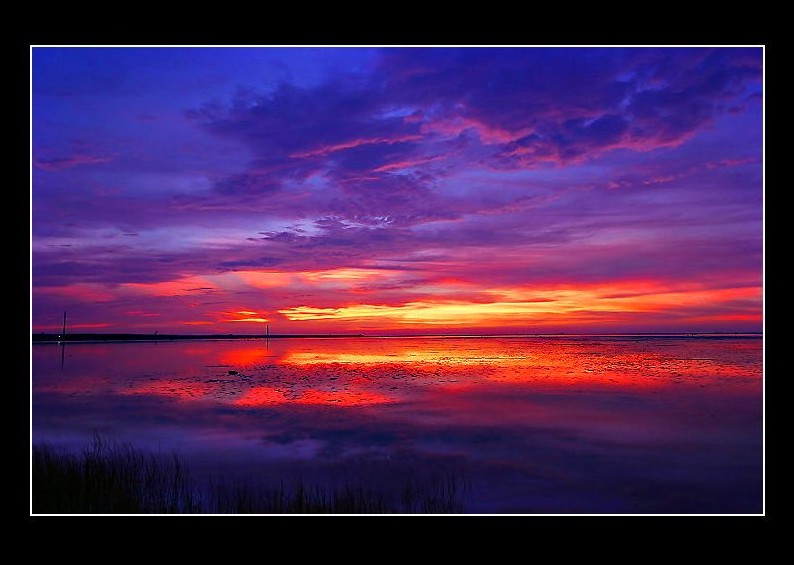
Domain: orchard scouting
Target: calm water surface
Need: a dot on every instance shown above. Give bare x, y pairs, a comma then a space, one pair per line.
534, 425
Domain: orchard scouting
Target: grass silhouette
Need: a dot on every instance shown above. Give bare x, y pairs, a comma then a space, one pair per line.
108, 477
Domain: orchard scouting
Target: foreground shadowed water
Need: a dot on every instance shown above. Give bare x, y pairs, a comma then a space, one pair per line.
536, 425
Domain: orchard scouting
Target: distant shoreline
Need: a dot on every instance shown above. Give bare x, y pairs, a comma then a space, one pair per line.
171, 337
102, 337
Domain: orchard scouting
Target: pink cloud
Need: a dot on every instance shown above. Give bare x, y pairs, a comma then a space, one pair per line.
325, 150
61, 163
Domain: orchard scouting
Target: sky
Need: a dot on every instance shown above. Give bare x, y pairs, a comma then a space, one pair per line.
397, 190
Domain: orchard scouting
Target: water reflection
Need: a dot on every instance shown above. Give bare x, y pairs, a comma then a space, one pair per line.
541, 425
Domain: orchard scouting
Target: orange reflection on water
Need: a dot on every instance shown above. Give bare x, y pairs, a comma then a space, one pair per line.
243, 356
264, 396
260, 396
303, 358
408, 350
547, 361
377, 371
343, 398
179, 390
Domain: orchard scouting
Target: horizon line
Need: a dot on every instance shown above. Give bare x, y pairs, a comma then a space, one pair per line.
162, 336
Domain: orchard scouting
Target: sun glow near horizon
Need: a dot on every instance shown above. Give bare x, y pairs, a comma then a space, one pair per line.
586, 307
533, 305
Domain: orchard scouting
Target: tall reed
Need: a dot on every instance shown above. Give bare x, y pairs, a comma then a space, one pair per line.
108, 477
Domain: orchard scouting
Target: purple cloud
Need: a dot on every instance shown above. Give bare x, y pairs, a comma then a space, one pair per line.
61, 163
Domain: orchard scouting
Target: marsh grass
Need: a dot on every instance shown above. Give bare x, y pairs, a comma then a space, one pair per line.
295, 498
108, 477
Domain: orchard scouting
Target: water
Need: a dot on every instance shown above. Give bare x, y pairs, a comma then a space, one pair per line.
535, 425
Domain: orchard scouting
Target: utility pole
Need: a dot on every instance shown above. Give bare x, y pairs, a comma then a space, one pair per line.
63, 333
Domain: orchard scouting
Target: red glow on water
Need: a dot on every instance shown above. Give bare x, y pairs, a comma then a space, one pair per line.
260, 396
363, 372
343, 398
179, 390
265, 396
243, 356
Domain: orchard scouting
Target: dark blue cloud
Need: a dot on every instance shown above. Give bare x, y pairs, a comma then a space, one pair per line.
536, 105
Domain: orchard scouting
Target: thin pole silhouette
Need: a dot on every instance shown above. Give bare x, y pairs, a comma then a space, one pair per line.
63, 340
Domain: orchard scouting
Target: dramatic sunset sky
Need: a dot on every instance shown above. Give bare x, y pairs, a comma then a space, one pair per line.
396, 190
